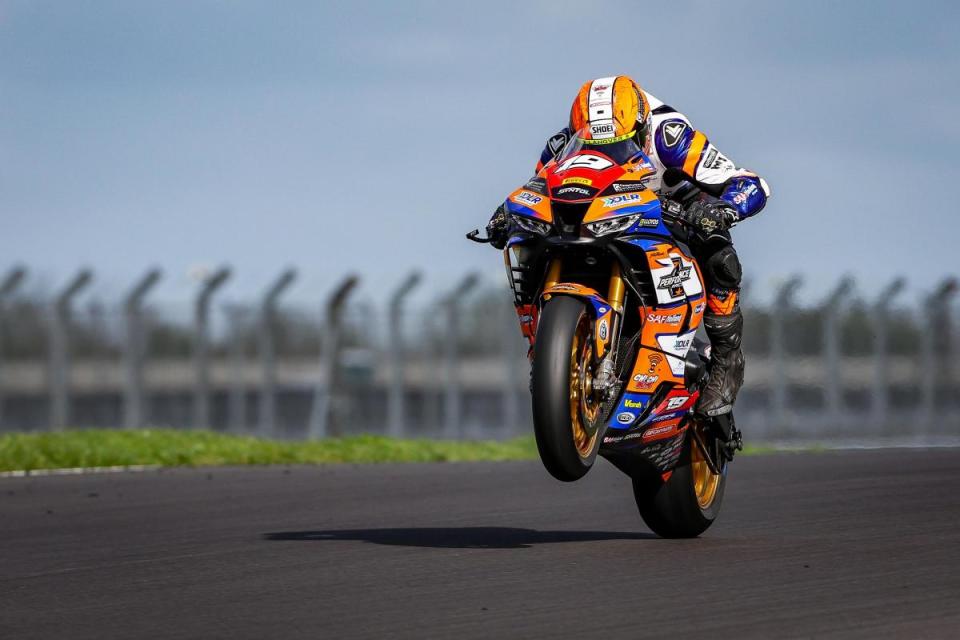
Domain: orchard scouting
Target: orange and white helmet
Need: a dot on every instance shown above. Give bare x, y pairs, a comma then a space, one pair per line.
611, 109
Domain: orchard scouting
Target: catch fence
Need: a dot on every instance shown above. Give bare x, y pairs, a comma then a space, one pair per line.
844, 368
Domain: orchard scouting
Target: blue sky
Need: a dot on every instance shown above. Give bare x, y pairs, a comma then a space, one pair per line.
371, 136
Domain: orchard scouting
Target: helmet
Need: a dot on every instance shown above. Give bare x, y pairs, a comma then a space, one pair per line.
608, 110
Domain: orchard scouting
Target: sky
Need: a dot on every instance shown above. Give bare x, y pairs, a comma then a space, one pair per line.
370, 136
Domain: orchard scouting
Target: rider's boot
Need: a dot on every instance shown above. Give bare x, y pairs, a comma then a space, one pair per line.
726, 363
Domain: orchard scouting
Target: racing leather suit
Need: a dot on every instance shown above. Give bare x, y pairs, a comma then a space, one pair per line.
676, 145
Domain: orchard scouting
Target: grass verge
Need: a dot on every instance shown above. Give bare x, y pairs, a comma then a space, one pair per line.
177, 448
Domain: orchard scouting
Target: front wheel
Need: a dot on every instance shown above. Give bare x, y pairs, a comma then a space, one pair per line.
689, 501
565, 409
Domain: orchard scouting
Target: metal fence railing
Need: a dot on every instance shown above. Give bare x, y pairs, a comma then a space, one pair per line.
843, 368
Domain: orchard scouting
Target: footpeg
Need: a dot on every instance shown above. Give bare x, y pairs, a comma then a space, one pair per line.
734, 444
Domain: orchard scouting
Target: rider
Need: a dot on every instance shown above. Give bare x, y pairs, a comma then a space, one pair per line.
616, 107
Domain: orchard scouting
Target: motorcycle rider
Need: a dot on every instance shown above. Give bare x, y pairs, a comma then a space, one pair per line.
616, 107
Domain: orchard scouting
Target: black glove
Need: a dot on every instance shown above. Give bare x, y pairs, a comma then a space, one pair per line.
497, 228
709, 217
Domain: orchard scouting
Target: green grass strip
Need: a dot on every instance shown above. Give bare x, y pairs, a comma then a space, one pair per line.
176, 448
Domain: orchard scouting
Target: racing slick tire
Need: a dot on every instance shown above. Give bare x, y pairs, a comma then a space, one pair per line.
687, 503
565, 414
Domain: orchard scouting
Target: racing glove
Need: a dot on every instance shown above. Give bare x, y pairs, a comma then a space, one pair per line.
497, 228
710, 217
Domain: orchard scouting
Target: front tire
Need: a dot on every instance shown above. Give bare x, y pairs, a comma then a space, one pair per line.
688, 502
565, 414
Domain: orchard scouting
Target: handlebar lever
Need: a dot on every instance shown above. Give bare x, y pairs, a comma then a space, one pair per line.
474, 236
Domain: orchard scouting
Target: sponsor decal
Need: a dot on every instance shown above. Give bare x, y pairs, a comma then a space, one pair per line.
602, 129
632, 404
710, 158
673, 131
664, 318
698, 308
648, 223
626, 198
527, 197
664, 417
579, 190
645, 379
538, 185
739, 198
621, 187
625, 417
586, 181
676, 403
603, 330
654, 360
564, 287
673, 281
656, 431
610, 140
676, 345
611, 439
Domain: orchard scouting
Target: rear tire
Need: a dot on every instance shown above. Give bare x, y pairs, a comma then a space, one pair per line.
688, 502
561, 408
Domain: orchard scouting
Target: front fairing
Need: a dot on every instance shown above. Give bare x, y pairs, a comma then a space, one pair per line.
585, 184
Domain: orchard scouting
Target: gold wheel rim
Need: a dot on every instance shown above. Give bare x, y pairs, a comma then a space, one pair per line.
582, 403
705, 481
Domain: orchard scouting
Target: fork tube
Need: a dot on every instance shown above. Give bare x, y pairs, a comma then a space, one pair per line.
553, 274
616, 290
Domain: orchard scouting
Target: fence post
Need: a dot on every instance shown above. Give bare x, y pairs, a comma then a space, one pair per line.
880, 396
511, 380
396, 408
267, 419
60, 350
831, 310
451, 357
134, 349
937, 316
237, 316
781, 306
329, 360
8, 286
201, 355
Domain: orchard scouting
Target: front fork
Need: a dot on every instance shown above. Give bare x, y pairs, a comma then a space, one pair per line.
606, 326
605, 349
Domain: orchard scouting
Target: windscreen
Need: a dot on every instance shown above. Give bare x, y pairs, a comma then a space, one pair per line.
621, 150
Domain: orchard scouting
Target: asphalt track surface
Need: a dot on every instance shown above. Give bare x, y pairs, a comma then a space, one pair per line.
836, 544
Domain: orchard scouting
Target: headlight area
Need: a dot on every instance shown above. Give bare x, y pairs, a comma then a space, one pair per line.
529, 224
611, 225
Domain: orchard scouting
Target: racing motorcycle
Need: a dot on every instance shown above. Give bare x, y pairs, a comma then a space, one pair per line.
610, 297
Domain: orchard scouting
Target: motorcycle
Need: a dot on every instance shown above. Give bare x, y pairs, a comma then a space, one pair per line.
609, 297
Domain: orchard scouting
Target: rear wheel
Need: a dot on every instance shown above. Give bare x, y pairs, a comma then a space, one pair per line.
565, 408
689, 501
